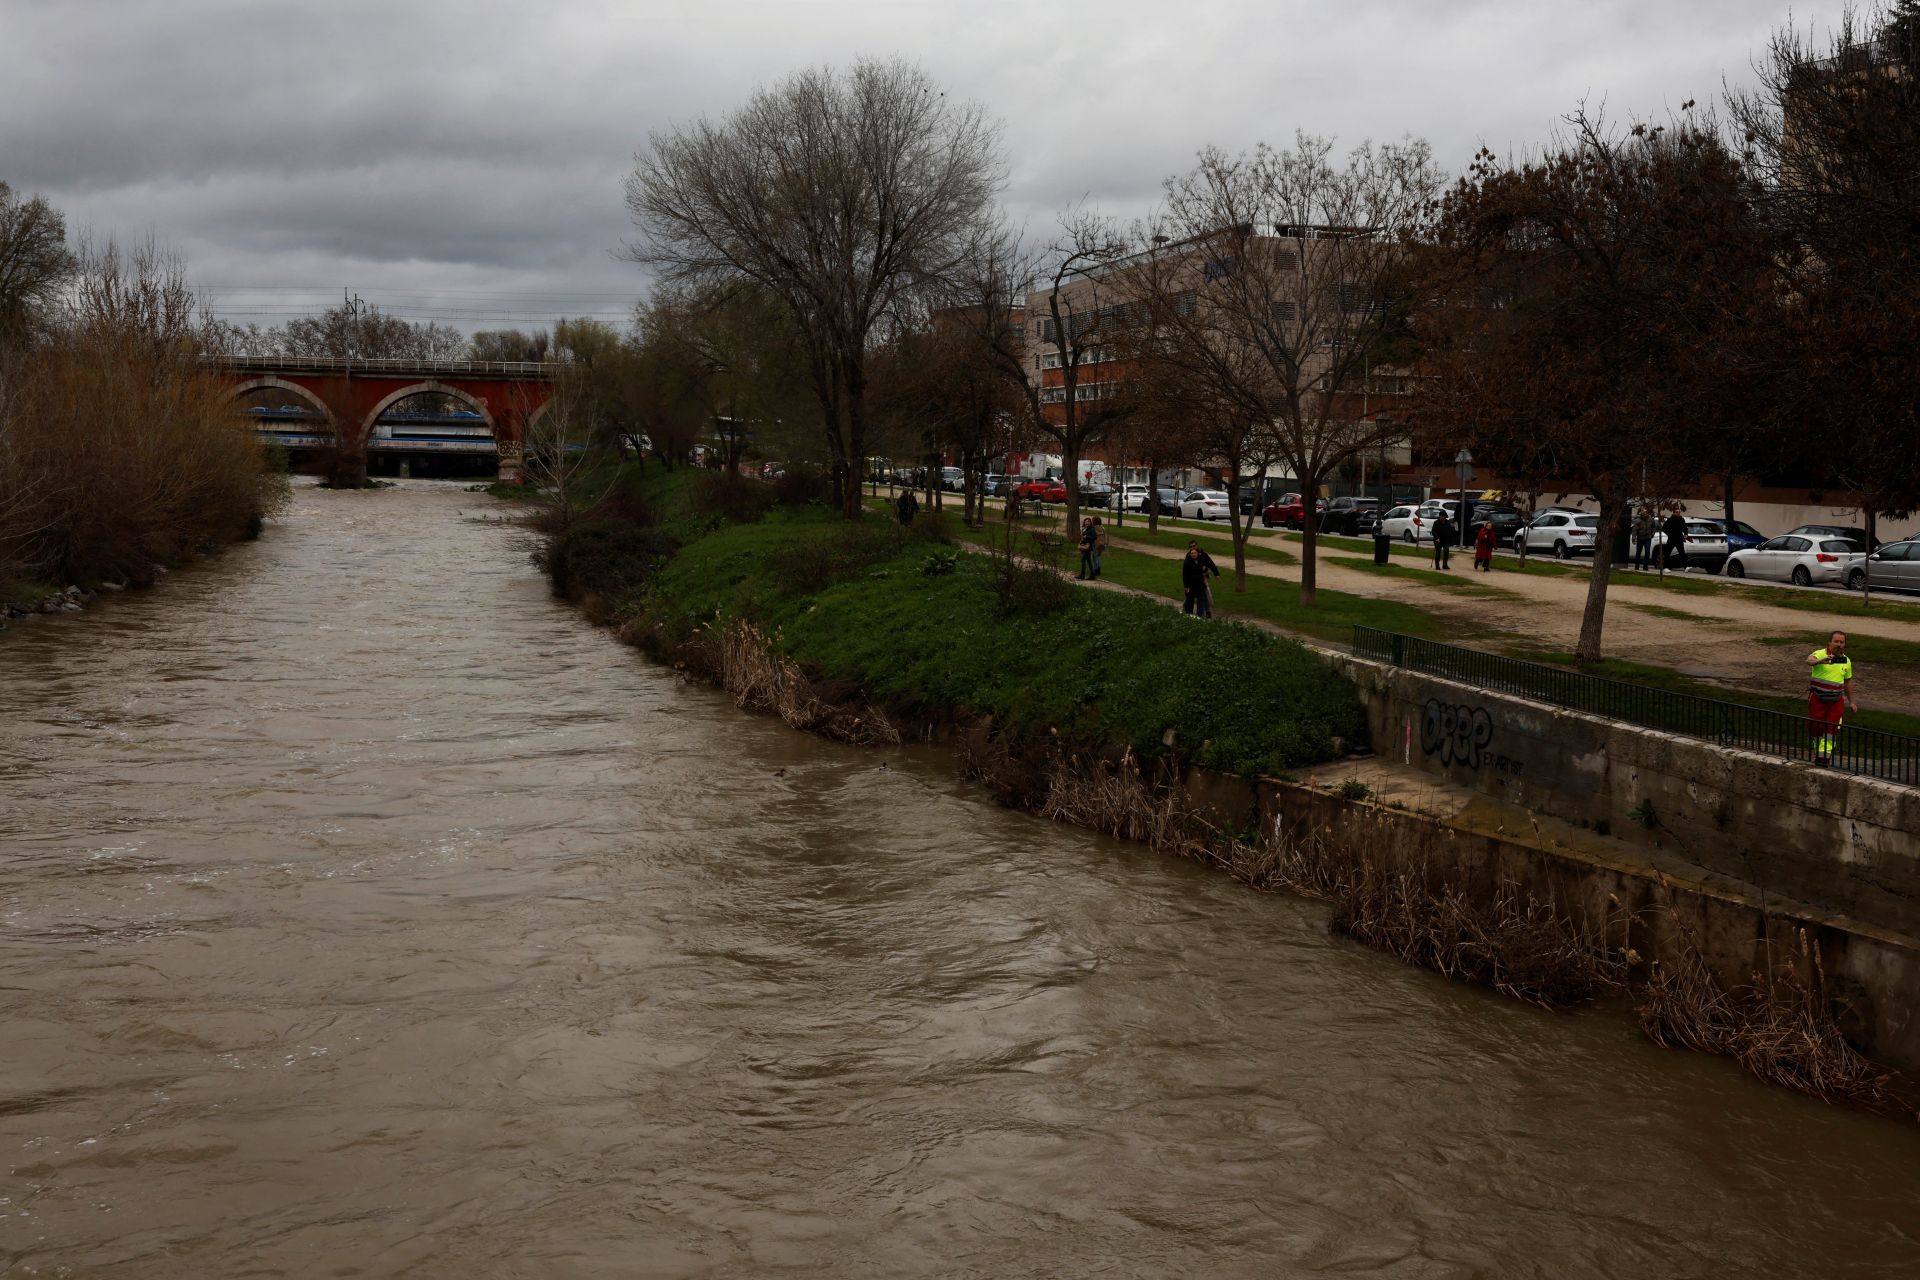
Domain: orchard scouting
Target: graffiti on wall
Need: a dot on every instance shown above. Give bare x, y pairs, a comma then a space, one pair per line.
1461, 735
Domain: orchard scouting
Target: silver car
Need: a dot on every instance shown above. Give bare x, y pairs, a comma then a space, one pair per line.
1895, 566
1798, 559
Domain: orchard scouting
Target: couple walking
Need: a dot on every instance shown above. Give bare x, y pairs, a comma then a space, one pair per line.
1093, 545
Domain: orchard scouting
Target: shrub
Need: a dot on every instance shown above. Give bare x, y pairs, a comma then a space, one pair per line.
117, 451
801, 487
732, 498
932, 526
939, 563
809, 565
603, 557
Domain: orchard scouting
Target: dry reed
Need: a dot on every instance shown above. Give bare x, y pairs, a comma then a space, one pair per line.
761, 679
1778, 1026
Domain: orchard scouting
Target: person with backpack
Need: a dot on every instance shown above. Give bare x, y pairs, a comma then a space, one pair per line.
908, 506
1100, 543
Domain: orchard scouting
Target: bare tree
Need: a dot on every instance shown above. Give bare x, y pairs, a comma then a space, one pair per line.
1833, 134
840, 194
1298, 264
1591, 294
35, 263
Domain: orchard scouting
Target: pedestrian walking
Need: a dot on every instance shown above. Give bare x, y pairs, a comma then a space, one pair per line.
1089, 538
1829, 691
1643, 538
1444, 536
1483, 545
908, 505
1100, 543
1674, 531
1193, 576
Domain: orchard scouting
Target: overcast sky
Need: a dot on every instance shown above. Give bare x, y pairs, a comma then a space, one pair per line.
462, 160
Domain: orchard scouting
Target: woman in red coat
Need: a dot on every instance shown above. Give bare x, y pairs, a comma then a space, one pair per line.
1483, 544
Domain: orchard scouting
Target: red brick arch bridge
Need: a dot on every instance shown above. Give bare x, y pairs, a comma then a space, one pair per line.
350, 396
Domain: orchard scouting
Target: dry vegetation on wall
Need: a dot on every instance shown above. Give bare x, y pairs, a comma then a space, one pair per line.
118, 455
1779, 1027
1517, 945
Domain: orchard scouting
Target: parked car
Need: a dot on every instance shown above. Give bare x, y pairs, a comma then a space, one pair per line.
1411, 523
1281, 510
1289, 511
952, 479
1705, 546
1739, 534
1565, 533
1135, 497
1040, 491
1852, 533
1798, 559
1206, 504
1169, 500
1351, 516
1895, 566
1096, 495
996, 485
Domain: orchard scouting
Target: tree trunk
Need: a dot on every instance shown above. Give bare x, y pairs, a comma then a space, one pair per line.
1153, 495
1866, 566
1727, 502
1070, 466
1309, 540
855, 448
1595, 616
1233, 532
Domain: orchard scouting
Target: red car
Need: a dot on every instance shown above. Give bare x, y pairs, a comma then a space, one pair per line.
1040, 491
1289, 511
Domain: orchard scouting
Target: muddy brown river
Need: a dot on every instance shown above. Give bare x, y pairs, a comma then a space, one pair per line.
364, 913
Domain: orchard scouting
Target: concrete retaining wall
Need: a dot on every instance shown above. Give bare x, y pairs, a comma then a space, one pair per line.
1831, 840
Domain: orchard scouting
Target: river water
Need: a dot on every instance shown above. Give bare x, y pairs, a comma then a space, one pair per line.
364, 913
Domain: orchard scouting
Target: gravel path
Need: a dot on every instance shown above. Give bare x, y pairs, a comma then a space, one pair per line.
1720, 643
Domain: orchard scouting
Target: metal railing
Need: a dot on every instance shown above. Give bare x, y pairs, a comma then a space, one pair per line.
537, 369
1892, 757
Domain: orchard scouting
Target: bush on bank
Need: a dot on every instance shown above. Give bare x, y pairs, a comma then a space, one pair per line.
117, 452
925, 634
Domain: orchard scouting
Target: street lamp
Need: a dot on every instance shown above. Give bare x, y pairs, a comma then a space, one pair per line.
1463, 467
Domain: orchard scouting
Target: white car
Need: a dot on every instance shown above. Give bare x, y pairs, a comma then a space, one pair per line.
1135, 497
1205, 504
1411, 523
1565, 533
1797, 558
1705, 545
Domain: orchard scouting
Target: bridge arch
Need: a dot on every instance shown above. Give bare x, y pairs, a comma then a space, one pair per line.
431, 387
269, 382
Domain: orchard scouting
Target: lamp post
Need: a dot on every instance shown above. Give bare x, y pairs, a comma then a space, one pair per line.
1463, 467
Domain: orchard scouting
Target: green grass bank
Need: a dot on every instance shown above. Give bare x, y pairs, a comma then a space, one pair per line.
909, 623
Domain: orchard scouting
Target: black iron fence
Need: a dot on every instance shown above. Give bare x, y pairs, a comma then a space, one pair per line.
1894, 757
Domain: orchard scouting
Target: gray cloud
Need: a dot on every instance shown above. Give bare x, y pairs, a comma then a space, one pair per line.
429, 154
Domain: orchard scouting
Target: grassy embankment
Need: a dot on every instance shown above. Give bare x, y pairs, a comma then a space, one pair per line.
907, 622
